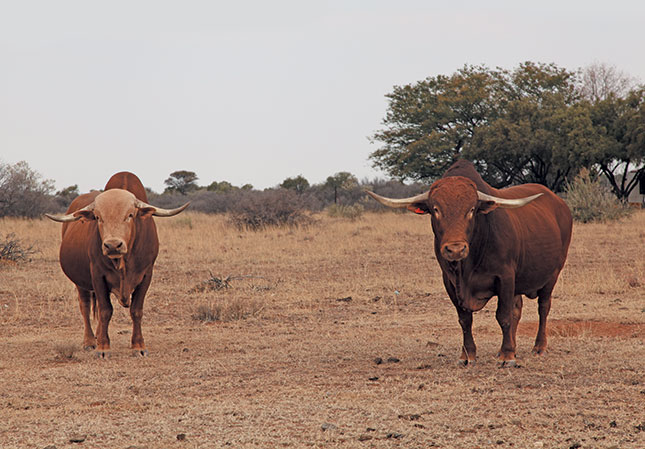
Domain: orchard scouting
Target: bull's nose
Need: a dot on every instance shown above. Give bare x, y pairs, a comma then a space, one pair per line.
455, 251
114, 246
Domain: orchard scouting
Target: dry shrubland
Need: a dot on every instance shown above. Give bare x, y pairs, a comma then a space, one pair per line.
335, 334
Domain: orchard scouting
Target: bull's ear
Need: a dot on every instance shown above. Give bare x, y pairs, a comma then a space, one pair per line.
419, 208
485, 207
146, 211
85, 213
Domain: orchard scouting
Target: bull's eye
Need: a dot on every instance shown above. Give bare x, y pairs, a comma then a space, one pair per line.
129, 217
471, 212
435, 210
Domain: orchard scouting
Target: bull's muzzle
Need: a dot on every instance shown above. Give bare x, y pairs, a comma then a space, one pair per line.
454, 251
114, 248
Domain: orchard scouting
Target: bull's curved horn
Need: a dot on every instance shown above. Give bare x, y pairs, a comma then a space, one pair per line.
507, 202
399, 203
74, 216
159, 212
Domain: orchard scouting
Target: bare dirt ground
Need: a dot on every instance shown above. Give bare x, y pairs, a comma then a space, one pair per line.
339, 335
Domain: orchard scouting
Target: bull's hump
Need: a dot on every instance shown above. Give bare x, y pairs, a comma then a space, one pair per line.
128, 181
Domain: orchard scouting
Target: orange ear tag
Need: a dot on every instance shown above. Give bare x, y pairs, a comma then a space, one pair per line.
420, 211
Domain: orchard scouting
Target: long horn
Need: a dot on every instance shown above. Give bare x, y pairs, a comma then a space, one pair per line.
74, 216
159, 212
399, 203
506, 202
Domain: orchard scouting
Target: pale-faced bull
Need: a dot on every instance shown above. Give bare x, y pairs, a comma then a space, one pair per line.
109, 246
488, 242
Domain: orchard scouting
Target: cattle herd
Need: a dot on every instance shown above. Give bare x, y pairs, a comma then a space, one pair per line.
488, 242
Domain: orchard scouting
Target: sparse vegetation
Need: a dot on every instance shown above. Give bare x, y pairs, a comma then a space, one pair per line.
229, 310
14, 250
272, 208
590, 200
286, 359
353, 212
66, 351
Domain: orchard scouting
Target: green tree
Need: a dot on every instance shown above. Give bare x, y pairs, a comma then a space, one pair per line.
182, 181
518, 126
341, 181
299, 184
620, 123
540, 132
428, 124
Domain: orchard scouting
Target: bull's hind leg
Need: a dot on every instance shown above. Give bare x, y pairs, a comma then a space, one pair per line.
544, 306
85, 300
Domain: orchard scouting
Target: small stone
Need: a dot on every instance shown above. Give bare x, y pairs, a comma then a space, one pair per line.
181, 437
328, 426
613, 424
373, 378
575, 445
364, 438
393, 360
394, 435
77, 438
378, 360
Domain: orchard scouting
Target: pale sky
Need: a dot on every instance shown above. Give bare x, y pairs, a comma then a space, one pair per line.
258, 91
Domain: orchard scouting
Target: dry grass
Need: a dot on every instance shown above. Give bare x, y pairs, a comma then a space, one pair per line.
293, 363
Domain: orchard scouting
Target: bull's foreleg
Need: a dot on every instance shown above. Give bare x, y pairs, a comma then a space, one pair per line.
105, 315
136, 313
85, 305
509, 310
104, 306
468, 348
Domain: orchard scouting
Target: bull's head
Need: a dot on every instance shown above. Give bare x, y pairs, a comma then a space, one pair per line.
453, 203
115, 212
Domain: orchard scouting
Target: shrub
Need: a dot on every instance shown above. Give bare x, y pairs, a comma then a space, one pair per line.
352, 212
22, 192
256, 211
590, 200
13, 250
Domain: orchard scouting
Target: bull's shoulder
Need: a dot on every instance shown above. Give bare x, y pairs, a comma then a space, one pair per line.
128, 181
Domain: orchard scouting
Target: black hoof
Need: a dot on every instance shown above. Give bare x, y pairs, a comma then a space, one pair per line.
508, 364
140, 353
104, 355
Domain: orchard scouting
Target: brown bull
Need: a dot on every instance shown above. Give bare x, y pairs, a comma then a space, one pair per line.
109, 246
488, 242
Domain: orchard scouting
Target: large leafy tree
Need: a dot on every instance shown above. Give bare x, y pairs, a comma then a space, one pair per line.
516, 125
540, 132
429, 124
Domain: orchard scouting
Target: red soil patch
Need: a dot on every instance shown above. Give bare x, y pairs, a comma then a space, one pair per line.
575, 328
